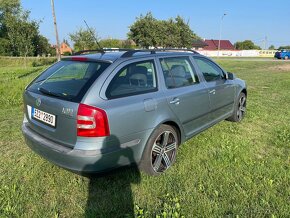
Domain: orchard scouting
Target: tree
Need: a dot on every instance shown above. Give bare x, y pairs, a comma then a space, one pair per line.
117, 43
42, 46
111, 43
144, 31
148, 31
128, 43
21, 34
272, 47
246, 45
84, 39
7, 7
4, 46
284, 47
186, 35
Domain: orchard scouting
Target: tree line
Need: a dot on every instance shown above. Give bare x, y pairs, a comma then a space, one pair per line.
86, 39
145, 32
249, 45
19, 35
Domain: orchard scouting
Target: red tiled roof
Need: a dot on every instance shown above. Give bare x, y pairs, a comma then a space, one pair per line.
198, 43
212, 44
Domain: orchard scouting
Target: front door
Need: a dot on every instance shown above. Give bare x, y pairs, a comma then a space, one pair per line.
221, 91
186, 95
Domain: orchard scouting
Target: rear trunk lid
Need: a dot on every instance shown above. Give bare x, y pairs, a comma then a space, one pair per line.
51, 101
62, 115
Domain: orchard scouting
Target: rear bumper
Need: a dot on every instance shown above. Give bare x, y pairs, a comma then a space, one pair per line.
77, 160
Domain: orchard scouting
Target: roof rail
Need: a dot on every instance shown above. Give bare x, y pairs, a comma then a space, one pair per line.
176, 49
103, 50
130, 53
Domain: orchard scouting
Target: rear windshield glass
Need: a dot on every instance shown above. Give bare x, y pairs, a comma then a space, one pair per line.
68, 79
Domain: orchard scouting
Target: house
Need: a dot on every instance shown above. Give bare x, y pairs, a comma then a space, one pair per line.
65, 49
213, 44
198, 44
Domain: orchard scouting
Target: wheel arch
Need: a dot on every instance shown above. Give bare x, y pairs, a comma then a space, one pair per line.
244, 91
177, 127
172, 123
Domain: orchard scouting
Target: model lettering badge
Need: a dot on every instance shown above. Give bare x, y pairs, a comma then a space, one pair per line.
67, 111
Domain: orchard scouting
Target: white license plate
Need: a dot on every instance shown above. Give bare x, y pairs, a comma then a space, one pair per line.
43, 116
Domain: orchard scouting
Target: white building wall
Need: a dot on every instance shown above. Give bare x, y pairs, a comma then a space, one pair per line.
240, 53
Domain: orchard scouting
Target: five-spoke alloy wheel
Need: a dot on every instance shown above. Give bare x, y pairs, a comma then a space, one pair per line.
240, 108
160, 151
163, 151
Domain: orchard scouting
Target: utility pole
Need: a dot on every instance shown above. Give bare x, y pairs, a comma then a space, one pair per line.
56, 33
219, 45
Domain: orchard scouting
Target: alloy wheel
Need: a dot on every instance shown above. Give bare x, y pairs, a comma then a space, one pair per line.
163, 151
241, 108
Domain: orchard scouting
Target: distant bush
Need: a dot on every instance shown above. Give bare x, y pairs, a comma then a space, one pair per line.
30, 61
67, 53
43, 62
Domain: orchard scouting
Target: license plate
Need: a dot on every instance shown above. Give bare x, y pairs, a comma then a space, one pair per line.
43, 116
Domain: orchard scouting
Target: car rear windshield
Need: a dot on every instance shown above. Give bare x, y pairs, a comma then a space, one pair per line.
68, 79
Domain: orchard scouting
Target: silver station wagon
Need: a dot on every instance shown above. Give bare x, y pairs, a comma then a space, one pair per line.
98, 110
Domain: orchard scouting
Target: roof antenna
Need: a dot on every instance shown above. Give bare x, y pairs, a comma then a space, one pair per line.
93, 35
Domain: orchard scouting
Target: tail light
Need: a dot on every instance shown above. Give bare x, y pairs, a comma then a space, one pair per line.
92, 122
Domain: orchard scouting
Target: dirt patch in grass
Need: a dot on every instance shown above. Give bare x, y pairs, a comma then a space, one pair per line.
282, 68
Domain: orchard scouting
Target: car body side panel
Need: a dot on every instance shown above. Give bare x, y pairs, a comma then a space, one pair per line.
222, 98
222, 95
192, 108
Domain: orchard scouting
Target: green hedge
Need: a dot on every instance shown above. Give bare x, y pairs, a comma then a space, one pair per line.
30, 61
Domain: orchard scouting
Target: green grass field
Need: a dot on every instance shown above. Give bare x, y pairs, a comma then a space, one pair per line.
230, 170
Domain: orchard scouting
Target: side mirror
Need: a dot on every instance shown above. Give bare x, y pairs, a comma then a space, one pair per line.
231, 76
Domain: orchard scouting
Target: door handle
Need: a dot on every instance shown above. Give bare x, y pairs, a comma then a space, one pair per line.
212, 91
175, 101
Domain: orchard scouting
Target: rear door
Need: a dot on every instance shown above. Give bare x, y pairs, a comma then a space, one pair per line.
132, 100
51, 101
221, 91
186, 95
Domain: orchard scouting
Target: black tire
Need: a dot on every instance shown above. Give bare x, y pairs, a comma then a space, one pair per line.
240, 109
286, 57
160, 151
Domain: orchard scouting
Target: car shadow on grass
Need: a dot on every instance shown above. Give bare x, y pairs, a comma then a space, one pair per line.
110, 194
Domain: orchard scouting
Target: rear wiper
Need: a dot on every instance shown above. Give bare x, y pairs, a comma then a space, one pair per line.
47, 92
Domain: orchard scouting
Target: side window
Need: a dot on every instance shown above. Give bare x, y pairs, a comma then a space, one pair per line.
133, 79
178, 72
210, 70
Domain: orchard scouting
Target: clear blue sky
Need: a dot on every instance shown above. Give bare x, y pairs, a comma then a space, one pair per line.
246, 19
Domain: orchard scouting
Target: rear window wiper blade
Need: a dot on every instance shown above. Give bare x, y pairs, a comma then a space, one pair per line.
47, 92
